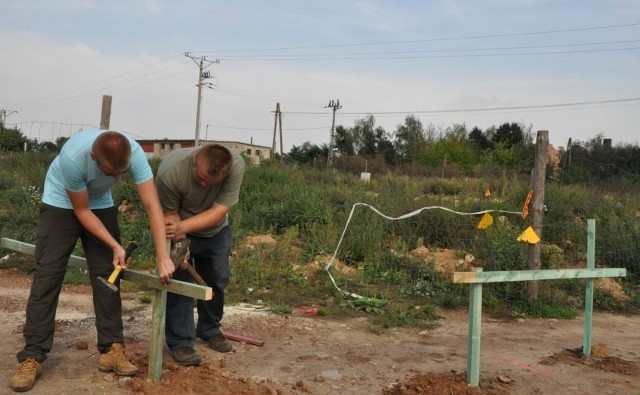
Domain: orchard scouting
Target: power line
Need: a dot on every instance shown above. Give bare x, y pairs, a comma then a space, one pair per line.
96, 93
434, 56
262, 129
324, 54
436, 39
97, 83
558, 105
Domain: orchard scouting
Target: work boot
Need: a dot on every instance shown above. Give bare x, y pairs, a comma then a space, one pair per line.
116, 361
25, 377
186, 356
219, 343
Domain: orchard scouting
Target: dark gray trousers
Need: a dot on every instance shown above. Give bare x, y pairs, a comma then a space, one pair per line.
58, 233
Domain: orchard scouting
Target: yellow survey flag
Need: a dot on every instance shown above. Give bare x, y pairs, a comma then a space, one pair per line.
485, 221
529, 235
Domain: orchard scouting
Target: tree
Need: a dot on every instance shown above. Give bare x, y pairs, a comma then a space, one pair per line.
11, 140
385, 146
364, 142
307, 152
60, 142
509, 134
343, 140
457, 132
480, 139
409, 139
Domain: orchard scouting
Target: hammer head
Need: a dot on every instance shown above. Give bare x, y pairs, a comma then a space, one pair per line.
116, 272
112, 287
179, 250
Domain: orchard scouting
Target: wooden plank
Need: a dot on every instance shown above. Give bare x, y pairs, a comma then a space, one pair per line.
139, 277
30, 249
175, 286
532, 275
156, 345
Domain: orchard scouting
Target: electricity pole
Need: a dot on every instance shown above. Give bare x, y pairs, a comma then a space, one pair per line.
335, 106
3, 117
202, 63
277, 120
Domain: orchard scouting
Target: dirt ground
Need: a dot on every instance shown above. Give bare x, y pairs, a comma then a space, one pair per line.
319, 356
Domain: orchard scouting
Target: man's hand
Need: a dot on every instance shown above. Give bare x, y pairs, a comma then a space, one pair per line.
119, 257
165, 269
173, 229
185, 261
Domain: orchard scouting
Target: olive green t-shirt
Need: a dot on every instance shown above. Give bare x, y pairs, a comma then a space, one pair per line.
178, 190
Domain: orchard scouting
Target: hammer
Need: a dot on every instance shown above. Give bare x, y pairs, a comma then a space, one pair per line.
178, 252
110, 283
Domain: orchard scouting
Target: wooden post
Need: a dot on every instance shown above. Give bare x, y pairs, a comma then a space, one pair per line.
275, 126
156, 344
475, 333
280, 123
105, 116
588, 300
537, 207
444, 164
158, 318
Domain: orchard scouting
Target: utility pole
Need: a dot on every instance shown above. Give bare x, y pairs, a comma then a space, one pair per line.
335, 106
275, 126
3, 117
537, 207
105, 114
202, 63
277, 120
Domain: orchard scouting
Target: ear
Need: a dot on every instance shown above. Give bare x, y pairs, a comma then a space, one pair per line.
93, 156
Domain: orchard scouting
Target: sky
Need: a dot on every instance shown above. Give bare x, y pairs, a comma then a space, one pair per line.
569, 67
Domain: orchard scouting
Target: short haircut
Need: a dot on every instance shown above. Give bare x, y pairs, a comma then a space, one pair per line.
217, 157
113, 151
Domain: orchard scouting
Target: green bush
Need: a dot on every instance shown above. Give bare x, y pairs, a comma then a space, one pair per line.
551, 256
307, 211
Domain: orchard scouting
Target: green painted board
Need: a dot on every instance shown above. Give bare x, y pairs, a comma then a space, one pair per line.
534, 275
135, 276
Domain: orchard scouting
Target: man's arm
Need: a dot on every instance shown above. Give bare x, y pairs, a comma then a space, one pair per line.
80, 203
177, 229
149, 198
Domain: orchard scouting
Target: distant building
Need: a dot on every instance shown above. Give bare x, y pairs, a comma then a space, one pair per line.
159, 148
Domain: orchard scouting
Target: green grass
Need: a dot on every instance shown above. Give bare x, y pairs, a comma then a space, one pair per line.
542, 309
306, 212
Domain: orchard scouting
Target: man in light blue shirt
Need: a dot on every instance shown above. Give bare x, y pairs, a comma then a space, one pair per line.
77, 204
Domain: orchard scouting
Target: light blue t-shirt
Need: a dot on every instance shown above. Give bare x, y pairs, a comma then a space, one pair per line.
74, 170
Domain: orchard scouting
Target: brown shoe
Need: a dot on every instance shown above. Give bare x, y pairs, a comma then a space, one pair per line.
186, 356
116, 361
219, 343
25, 377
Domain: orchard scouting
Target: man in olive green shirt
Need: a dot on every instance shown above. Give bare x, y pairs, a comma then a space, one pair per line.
197, 188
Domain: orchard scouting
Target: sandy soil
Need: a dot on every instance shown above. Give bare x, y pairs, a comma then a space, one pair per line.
319, 356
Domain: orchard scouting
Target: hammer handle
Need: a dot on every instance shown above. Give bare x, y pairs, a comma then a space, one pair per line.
114, 275
192, 271
129, 250
116, 272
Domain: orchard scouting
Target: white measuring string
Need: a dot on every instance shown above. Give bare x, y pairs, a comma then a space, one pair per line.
408, 215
